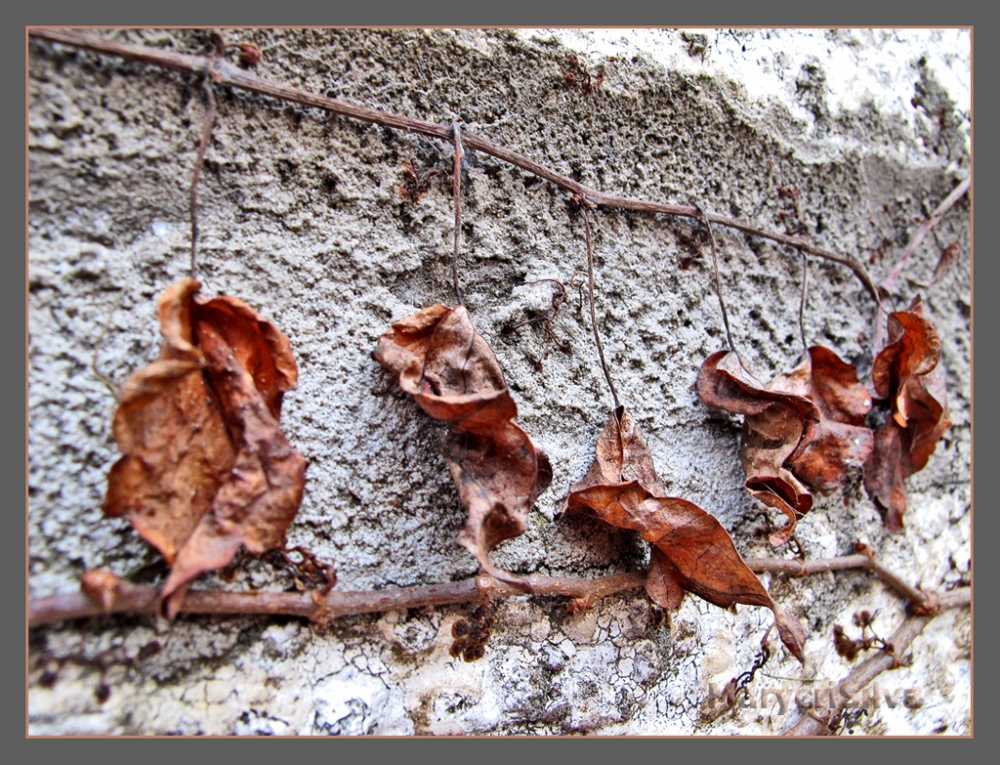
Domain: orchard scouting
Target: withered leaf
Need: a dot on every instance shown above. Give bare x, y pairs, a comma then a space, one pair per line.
908, 374
453, 375
205, 467
805, 429
839, 439
692, 552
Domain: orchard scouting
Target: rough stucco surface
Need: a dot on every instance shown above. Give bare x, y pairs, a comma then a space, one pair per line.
302, 218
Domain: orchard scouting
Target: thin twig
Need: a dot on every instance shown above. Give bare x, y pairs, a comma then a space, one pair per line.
794, 567
913, 594
206, 134
142, 599
558, 298
806, 567
225, 73
885, 288
869, 669
456, 182
957, 193
111, 385
593, 314
881, 321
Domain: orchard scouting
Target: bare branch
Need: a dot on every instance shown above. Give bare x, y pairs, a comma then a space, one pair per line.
225, 73
806, 567
802, 305
918, 599
868, 670
957, 193
206, 134
142, 599
125, 597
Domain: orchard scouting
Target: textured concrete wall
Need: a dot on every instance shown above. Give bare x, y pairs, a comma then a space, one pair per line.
301, 218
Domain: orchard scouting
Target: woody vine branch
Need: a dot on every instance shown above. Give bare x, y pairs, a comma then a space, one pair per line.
224, 73
113, 595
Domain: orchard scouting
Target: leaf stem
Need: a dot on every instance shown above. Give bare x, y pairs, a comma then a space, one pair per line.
206, 134
926, 227
718, 281
802, 305
593, 315
456, 184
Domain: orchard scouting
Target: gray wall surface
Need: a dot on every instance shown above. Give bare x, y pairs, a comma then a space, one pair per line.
302, 218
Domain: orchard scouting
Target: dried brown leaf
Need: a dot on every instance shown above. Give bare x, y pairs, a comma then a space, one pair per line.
622, 456
906, 373
662, 585
914, 349
769, 439
205, 467
176, 452
691, 550
453, 375
804, 429
838, 440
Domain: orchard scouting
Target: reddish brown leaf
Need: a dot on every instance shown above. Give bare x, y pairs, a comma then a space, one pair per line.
839, 439
914, 349
768, 441
830, 383
724, 383
661, 582
173, 438
205, 467
622, 456
691, 550
806, 428
906, 372
451, 372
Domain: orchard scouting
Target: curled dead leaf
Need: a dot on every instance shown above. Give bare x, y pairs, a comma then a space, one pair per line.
205, 467
907, 373
801, 433
838, 439
691, 552
453, 375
